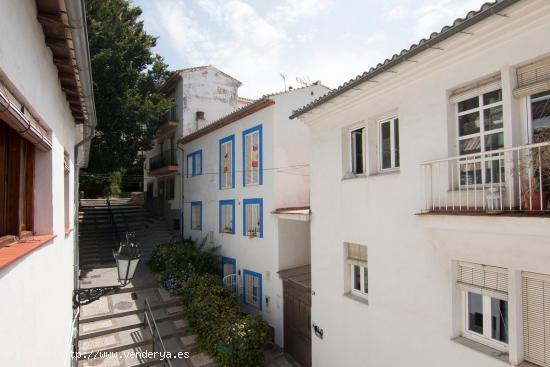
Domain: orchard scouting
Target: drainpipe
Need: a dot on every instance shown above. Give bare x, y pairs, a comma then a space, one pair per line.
76, 14
182, 201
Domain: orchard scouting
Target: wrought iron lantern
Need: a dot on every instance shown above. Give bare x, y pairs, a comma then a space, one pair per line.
127, 258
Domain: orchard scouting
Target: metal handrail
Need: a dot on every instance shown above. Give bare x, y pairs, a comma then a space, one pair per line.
487, 153
113, 221
149, 321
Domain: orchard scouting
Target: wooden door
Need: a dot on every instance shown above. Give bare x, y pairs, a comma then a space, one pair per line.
297, 322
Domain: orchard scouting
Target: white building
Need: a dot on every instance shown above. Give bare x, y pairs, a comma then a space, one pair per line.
246, 189
428, 249
46, 110
201, 95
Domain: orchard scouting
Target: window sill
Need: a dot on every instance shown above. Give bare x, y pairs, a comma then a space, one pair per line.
351, 176
355, 298
21, 248
482, 348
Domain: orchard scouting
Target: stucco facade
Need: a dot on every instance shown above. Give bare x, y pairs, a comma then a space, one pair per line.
201, 95
36, 288
284, 172
414, 315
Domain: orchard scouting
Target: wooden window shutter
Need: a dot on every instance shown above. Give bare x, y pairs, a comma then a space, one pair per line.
533, 78
536, 318
483, 279
16, 183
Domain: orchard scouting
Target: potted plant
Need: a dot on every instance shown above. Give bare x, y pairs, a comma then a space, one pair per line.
535, 174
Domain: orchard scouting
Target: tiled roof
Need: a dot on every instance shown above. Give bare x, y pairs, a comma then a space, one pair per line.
239, 113
459, 25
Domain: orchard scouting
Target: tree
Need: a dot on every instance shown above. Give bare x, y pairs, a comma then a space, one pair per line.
127, 77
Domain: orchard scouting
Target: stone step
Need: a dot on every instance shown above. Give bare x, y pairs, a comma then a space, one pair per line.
136, 356
163, 303
128, 339
121, 323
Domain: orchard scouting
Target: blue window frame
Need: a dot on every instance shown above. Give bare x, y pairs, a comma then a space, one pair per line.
194, 163
253, 156
252, 289
226, 216
253, 218
226, 167
196, 215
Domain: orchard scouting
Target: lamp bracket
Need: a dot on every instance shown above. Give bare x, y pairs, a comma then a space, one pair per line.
85, 296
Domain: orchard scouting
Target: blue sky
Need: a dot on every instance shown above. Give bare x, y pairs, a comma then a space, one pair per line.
327, 40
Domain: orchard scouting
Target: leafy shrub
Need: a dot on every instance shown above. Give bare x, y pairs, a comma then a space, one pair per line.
175, 262
213, 313
242, 342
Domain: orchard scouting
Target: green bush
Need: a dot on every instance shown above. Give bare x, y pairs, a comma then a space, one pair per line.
175, 262
210, 308
242, 342
213, 314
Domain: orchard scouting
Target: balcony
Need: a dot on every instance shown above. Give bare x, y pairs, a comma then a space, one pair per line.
171, 122
164, 163
511, 181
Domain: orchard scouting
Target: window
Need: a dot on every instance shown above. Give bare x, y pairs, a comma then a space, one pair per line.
253, 217
536, 314
227, 215
480, 129
227, 163
540, 116
485, 292
196, 215
170, 188
194, 163
357, 145
389, 144
229, 267
357, 265
16, 183
252, 156
252, 294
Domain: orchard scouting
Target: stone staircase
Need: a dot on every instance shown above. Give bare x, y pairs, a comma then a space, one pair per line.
97, 237
112, 331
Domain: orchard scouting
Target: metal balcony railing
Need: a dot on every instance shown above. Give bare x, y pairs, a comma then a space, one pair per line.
164, 159
505, 180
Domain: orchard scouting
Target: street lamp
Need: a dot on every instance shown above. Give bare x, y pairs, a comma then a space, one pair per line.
127, 258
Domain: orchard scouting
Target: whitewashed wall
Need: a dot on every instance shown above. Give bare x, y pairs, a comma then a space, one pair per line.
413, 313
36, 290
278, 189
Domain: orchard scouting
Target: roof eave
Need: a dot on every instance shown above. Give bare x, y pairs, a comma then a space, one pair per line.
413, 51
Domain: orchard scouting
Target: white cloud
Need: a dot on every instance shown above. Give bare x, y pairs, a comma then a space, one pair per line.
255, 43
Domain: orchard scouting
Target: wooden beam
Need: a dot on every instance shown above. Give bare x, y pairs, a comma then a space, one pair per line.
63, 61
50, 19
57, 43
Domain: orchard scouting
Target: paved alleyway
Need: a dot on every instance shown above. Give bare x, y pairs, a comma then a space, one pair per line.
111, 330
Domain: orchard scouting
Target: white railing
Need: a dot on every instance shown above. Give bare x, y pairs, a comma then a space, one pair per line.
505, 180
232, 282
